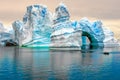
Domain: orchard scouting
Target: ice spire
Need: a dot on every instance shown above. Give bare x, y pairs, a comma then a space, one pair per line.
61, 14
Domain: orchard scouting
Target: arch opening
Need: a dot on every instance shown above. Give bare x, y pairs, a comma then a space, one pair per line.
89, 41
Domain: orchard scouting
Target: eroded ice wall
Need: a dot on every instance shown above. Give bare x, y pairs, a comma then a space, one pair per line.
36, 26
63, 34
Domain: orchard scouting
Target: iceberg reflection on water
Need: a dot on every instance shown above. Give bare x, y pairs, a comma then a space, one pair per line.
35, 63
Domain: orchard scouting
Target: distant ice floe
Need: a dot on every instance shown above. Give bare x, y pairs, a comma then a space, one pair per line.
41, 28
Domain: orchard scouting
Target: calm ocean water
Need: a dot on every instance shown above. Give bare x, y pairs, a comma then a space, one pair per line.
37, 64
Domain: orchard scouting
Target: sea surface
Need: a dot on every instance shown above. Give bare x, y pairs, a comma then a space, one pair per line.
44, 64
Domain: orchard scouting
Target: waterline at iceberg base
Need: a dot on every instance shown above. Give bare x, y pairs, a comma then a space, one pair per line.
41, 28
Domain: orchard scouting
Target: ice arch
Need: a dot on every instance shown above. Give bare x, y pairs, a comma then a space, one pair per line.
94, 43
92, 30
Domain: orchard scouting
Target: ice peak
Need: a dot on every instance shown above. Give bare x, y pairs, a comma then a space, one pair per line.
2, 29
61, 13
1, 25
35, 7
38, 14
62, 4
17, 25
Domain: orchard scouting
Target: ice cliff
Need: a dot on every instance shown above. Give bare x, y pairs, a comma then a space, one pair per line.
35, 29
63, 34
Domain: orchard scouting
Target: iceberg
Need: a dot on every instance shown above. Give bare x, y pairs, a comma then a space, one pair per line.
110, 40
35, 30
6, 38
63, 34
2, 29
92, 30
41, 28
98, 35
19, 33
